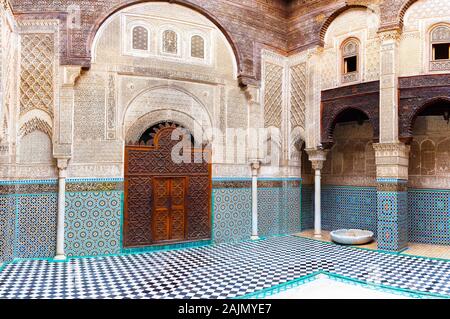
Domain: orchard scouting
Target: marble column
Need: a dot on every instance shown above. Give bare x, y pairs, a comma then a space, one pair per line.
62, 174
317, 158
392, 195
255, 168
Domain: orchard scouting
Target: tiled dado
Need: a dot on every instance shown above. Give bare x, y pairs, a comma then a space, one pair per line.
7, 227
93, 223
93, 217
28, 212
307, 208
27, 225
279, 205
392, 211
429, 216
232, 210
348, 207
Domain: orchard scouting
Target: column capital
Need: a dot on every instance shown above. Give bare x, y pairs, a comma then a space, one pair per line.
255, 165
317, 157
62, 163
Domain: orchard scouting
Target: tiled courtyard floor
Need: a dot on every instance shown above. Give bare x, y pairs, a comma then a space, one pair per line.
414, 249
222, 271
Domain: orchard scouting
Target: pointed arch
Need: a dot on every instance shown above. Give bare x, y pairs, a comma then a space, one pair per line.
333, 16
128, 3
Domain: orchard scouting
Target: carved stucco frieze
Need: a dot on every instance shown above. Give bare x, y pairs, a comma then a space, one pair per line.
392, 160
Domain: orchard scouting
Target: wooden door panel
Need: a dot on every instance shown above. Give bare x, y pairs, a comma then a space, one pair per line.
177, 192
161, 216
162, 192
178, 209
161, 225
178, 224
169, 209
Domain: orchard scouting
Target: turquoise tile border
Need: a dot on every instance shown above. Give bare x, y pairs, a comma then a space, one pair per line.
140, 250
280, 179
316, 275
55, 181
280, 288
231, 179
94, 180
427, 190
27, 182
391, 180
228, 179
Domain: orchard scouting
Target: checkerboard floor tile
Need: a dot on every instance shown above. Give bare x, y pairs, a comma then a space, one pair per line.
221, 271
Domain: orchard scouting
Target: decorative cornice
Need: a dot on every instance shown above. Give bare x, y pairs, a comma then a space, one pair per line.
391, 148
389, 34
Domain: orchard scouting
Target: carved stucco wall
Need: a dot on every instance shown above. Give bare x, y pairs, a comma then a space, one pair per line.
285, 93
351, 160
127, 91
359, 23
8, 55
414, 47
429, 165
36, 99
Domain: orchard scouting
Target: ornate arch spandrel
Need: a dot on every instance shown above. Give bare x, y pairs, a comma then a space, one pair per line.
363, 97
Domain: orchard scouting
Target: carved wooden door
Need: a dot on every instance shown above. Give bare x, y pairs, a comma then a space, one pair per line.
164, 201
169, 218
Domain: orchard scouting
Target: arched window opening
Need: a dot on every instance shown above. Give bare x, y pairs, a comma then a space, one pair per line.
170, 42
440, 48
350, 60
197, 47
140, 38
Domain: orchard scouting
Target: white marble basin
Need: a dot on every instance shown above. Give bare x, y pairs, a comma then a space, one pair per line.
352, 236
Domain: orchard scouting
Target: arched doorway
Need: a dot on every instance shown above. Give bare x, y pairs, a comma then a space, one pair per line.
167, 197
349, 195
429, 174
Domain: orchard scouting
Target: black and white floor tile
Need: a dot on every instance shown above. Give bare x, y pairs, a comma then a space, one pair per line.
222, 271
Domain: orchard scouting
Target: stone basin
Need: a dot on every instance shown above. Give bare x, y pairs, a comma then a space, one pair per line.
352, 236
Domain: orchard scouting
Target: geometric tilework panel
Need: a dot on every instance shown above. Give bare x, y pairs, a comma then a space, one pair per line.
293, 197
429, 216
349, 207
36, 226
232, 214
92, 223
307, 216
278, 211
392, 220
7, 219
269, 211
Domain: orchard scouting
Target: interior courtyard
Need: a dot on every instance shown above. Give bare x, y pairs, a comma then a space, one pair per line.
193, 149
